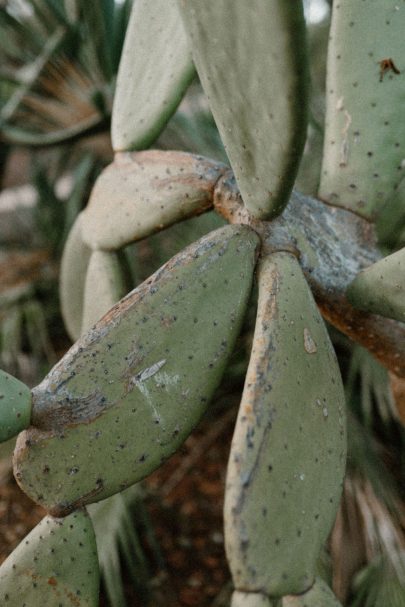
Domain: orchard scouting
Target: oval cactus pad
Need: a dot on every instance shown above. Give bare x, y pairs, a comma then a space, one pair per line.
74, 264
380, 288
155, 70
364, 146
288, 452
251, 59
129, 392
56, 565
141, 193
15, 406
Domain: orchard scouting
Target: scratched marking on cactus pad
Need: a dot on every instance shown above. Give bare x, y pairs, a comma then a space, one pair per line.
149, 371
309, 344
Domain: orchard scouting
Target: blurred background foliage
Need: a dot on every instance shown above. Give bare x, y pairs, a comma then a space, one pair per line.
58, 63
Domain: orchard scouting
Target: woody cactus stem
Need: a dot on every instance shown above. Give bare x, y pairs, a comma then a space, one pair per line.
333, 245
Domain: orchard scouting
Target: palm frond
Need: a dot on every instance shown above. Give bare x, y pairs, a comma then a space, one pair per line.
115, 522
380, 584
59, 64
368, 389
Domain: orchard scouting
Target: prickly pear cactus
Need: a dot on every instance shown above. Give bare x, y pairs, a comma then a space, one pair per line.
144, 369
364, 150
129, 387
155, 70
55, 565
15, 406
287, 458
381, 287
319, 595
255, 75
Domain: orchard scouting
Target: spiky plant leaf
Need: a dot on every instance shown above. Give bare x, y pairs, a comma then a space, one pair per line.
379, 584
58, 68
367, 382
115, 520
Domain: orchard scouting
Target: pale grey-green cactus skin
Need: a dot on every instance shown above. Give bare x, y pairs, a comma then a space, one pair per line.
250, 599
380, 289
56, 565
253, 68
287, 458
320, 595
104, 287
74, 264
138, 194
364, 132
127, 394
15, 406
155, 70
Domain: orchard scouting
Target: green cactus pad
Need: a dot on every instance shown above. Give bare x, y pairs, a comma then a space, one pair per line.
320, 595
380, 289
15, 406
252, 64
75, 260
141, 193
365, 131
250, 599
155, 70
127, 394
105, 285
288, 452
56, 565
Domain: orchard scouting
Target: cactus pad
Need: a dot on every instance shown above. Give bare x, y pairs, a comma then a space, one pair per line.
55, 566
253, 67
250, 599
15, 406
155, 70
365, 132
288, 452
75, 260
128, 393
320, 595
380, 289
105, 285
139, 194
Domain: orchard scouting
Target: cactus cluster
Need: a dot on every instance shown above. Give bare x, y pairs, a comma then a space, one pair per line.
145, 366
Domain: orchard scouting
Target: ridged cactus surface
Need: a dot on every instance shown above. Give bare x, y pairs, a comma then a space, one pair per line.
287, 458
364, 147
55, 566
251, 60
128, 393
155, 70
